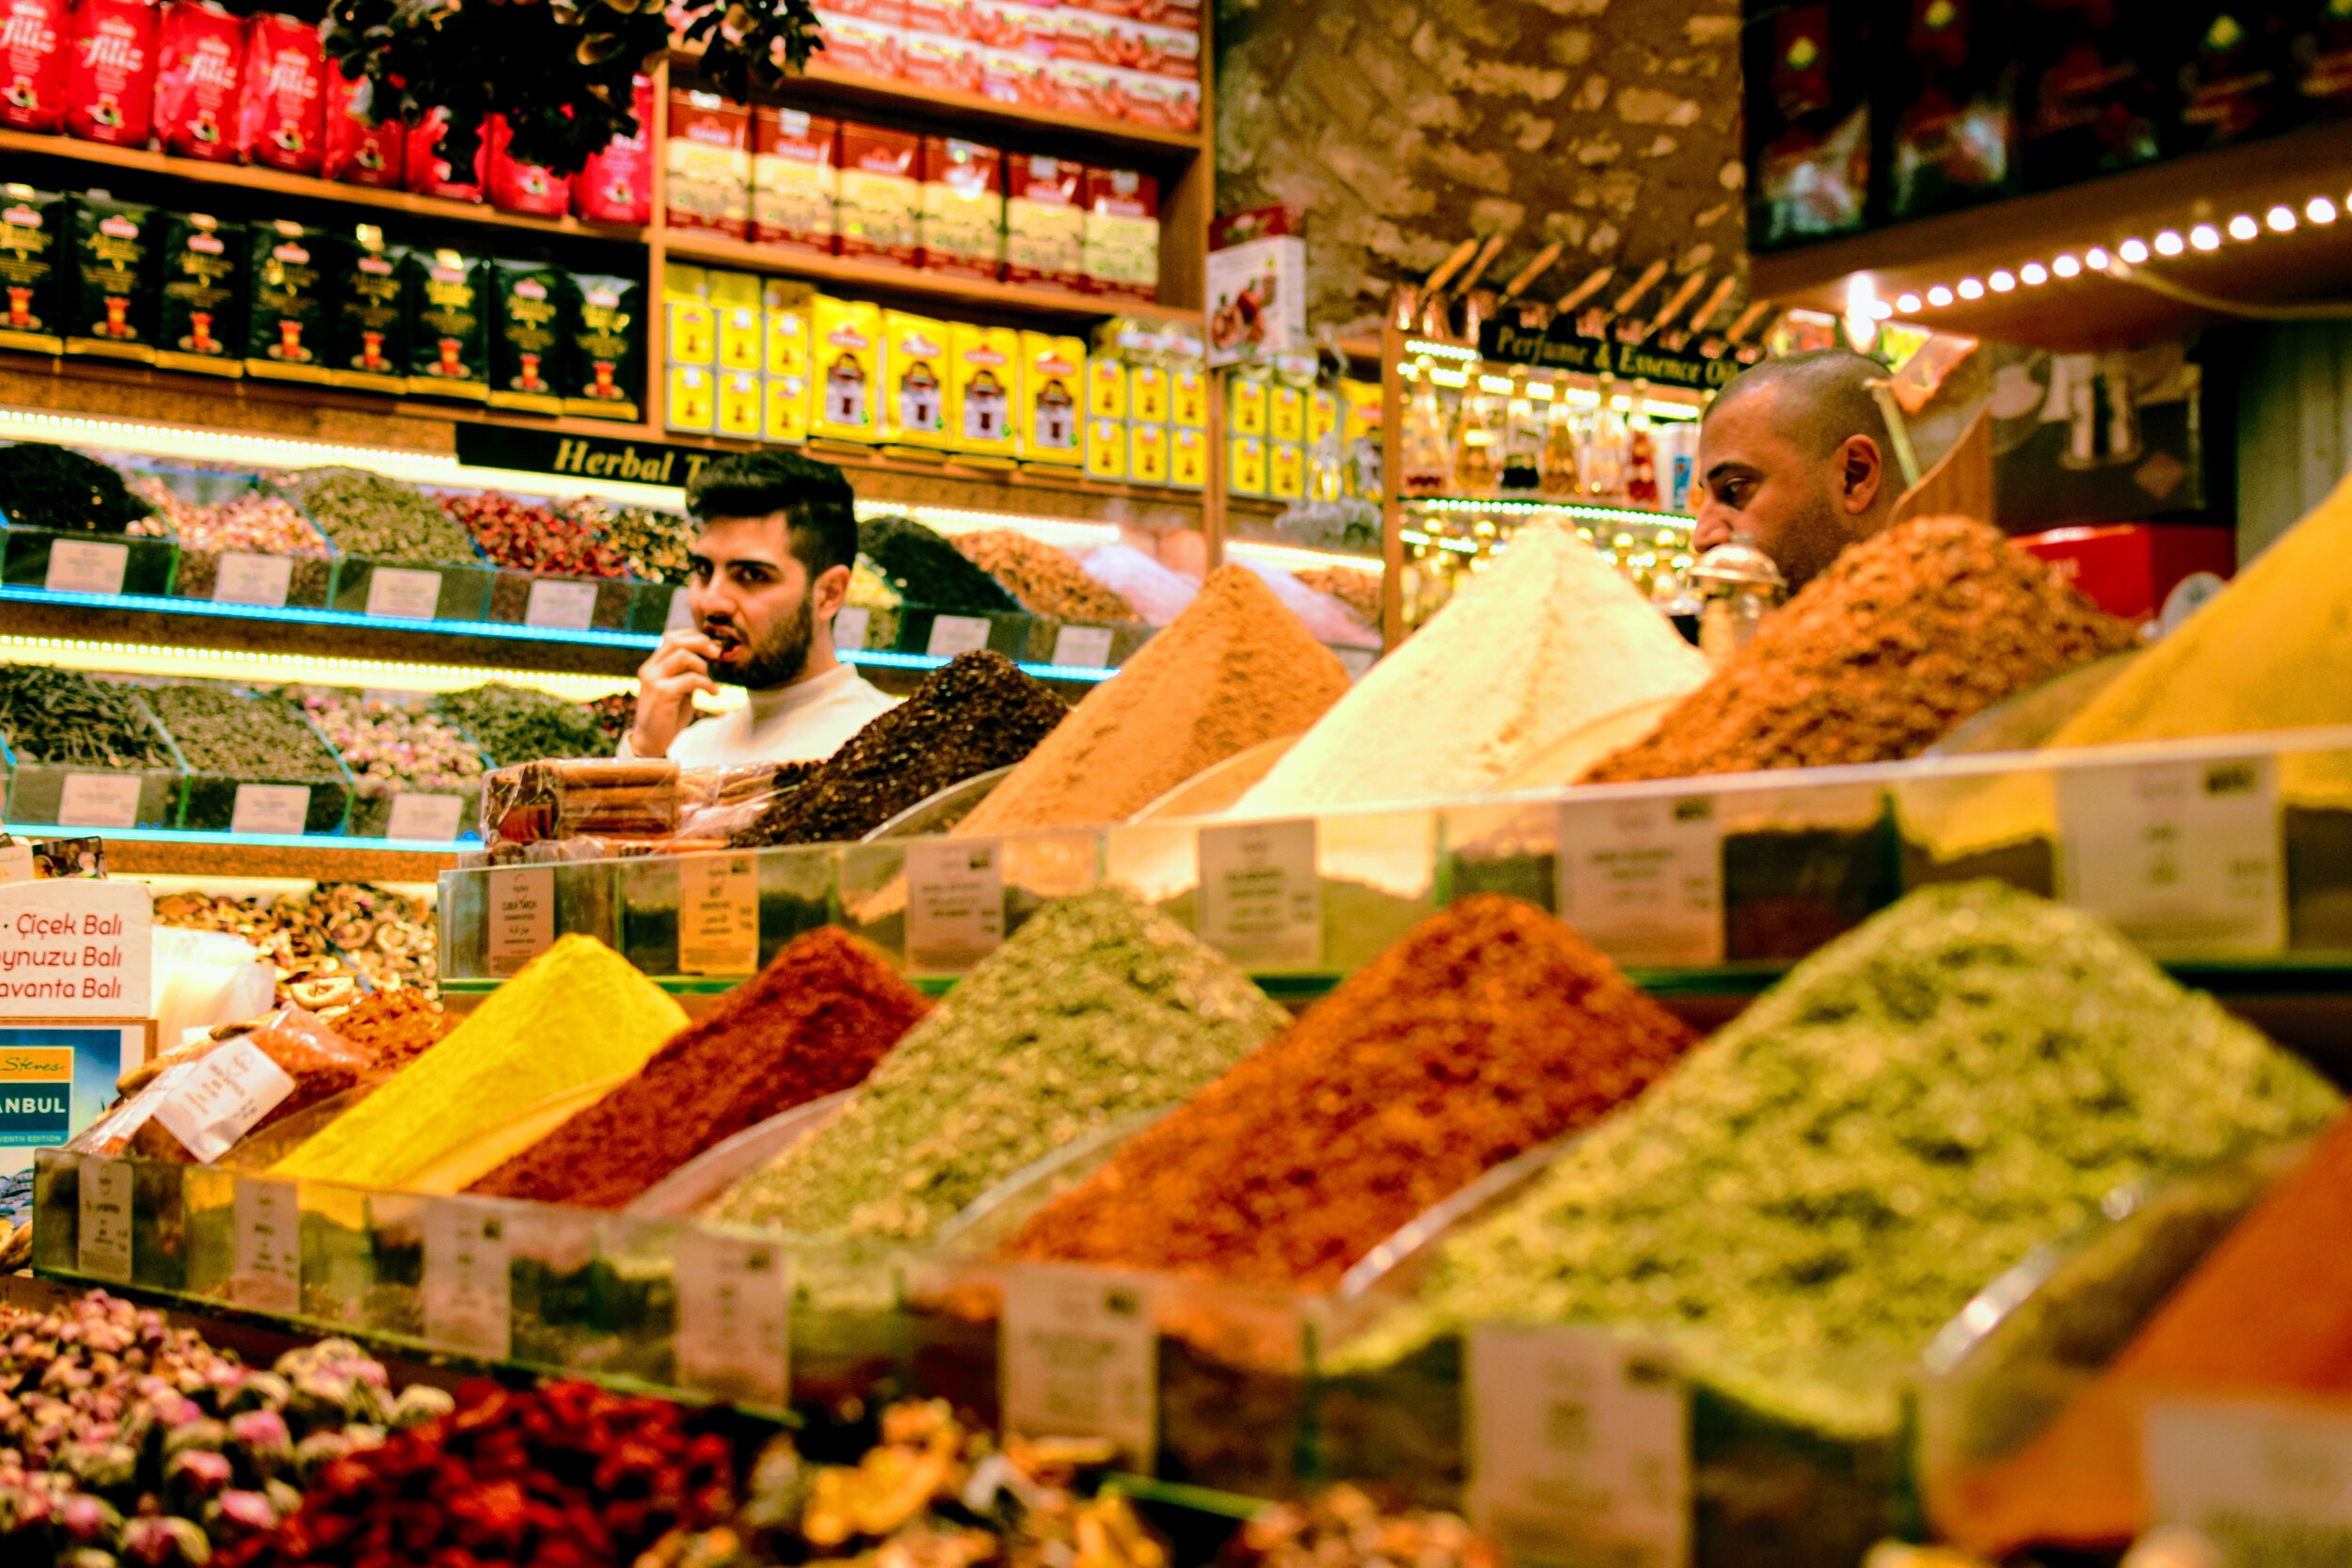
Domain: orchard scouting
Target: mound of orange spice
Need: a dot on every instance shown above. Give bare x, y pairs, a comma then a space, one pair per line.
1489, 1029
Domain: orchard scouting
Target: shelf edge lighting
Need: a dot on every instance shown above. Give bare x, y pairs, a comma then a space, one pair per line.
248, 841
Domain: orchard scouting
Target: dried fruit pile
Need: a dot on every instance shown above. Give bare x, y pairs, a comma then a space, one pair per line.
530, 538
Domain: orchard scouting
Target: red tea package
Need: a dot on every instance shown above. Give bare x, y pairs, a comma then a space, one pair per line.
200, 57
284, 120
517, 187
32, 64
616, 186
429, 173
110, 73
709, 152
357, 152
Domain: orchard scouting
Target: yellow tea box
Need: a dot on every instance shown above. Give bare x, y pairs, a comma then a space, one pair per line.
845, 349
914, 365
1106, 388
785, 407
1187, 457
1147, 392
739, 398
1245, 466
785, 308
692, 403
1286, 470
1106, 448
1147, 454
691, 335
1286, 413
735, 298
1245, 406
1188, 397
1053, 377
983, 370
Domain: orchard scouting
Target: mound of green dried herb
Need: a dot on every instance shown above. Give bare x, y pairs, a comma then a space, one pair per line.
64, 719
1911, 1111
516, 724
46, 486
1095, 1010
242, 735
381, 519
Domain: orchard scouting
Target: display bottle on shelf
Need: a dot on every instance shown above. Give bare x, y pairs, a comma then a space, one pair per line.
1476, 464
1562, 477
1522, 438
1604, 453
1641, 453
1428, 454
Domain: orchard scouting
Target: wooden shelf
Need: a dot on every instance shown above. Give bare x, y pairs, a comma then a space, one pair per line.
2095, 312
682, 245
324, 859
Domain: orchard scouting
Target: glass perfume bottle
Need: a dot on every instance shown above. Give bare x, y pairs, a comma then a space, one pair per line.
1428, 455
1476, 460
1563, 476
1522, 437
1641, 453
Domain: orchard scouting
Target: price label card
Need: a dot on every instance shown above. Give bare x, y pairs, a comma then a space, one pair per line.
955, 902
270, 809
1079, 1358
850, 628
717, 915
79, 566
468, 1291
434, 817
1082, 647
102, 1240
2183, 856
1643, 880
957, 634
1261, 901
2266, 1482
1580, 1447
1357, 662
734, 1317
269, 1246
220, 1098
681, 613
262, 579
561, 606
521, 918
99, 800
402, 595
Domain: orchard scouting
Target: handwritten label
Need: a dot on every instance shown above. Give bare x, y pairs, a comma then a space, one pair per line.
74, 947
561, 606
681, 612
955, 903
957, 634
259, 579
1261, 902
1580, 1447
434, 817
222, 1095
102, 1240
77, 566
269, 1246
2266, 1482
734, 1317
270, 809
521, 924
402, 595
1082, 647
469, 1290
2183, 856
717, 915
850, 628
1079, 1358
1643, 880
99, 800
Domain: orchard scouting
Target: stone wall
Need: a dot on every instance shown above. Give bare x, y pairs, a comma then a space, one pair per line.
1401, 127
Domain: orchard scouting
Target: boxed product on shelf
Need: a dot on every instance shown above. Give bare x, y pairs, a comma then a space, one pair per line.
1106, 448
448, 347
370, 318
112, 280
200, 323
708, 151
1147, 392
881, 194
357, 151
256, 763
962, 228
1106, 386
110, 73
1013, 75
690, 325
519, 187
914, 360
784, 409
1083, 87
1286, 470
735, 305
1188, 395
794, 179
865, 38
35, 228
1246, 464
1044, 224
1147, 451
289, 323
1187, 457
741, 409
531, 334
1019, 26
427, 172
1052, 373
603, 375
283, 116
1286, 412
32, 61
785, 324
200, 53
945, 61
1121, 241
691, 400
615, 185
845, 352
983, 368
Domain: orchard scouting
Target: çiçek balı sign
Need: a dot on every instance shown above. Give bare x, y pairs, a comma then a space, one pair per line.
75, 948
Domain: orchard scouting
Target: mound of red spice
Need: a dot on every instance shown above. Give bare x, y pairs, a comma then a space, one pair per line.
813, 1022
1489, 1029
566, 1476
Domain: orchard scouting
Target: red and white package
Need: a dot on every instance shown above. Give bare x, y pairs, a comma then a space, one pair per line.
940, 62
284, 124
518, 187
1044, 224
616, 184
1161, 51
1122, 253
357, 152
891, 13
1014, 77
1169, 14
32, 64
1084, 35
199, 63
110, 73
429, 173
1084, 87
859, 45
1168, 103
947, 17
1012, 24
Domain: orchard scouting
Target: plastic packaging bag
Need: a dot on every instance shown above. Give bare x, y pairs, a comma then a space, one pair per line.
194, 1102
579, 797
207, 979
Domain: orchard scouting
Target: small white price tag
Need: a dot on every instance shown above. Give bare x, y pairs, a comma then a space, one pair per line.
681, 614
957, 634
468, 1290
78, 567
259, 579
1079, 1358
2183, 856
1082, 647
270, 809
521, 918
102, 1238
1261, 902
955, 903
269, 1246
717, 915
561, 606
220, 1098
850, 628
1357, 662
433, 817
2266, 1482
99, 800
734, 1317
1643, 880
402, 595
1578, 1448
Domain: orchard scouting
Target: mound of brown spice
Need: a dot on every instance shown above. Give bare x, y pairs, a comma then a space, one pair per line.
1491, 1028
1879, 657
812, 1023
1046, 580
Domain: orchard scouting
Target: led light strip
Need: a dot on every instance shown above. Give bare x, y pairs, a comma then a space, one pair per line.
132, 659
248, 841
1459, 546
493, 629
1441, 351
1574, 509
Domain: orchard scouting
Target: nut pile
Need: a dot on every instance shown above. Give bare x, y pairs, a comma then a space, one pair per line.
1047, 582
389, 748
66, 719
380, 519
528, 538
